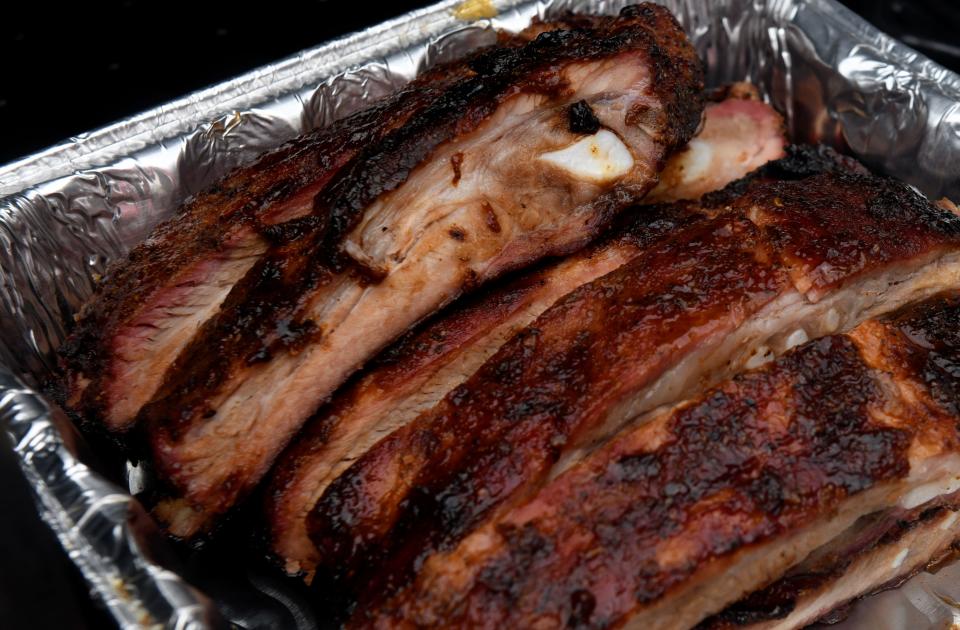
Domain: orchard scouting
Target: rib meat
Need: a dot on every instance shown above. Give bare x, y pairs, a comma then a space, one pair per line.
801, 249
739, 134
680, 516
878, 551
530, 150
150, 305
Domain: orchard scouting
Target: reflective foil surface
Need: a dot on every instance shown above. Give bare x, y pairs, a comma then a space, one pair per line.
66, 212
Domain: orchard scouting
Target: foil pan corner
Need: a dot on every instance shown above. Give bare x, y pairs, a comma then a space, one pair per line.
101, 527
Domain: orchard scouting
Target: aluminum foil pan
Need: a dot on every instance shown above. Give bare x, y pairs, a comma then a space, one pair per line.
68, 211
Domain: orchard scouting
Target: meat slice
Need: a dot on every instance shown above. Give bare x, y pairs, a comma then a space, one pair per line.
678, 517
149, 306
801, 249
495, 172
877, 552
421, 368
739, 134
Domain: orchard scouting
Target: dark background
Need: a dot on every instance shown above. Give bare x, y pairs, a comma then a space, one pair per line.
66, 70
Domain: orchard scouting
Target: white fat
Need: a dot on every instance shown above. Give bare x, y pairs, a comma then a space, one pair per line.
899, 558
796, 338
926, 492
136, 478
949, 521
832, 320
760, 356
602, 157
697, 159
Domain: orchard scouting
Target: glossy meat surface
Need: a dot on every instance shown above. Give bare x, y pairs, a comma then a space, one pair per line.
685, 313
417, 371
683, 515
546, 389
149, 306
477, 174
879, 551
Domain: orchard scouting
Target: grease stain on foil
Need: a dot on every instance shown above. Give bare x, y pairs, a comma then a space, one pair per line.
470, 10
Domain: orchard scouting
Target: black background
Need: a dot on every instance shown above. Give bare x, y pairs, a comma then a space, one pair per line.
66, 70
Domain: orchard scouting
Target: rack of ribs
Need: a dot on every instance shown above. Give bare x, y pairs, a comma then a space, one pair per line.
817, 470
549, 338
220, 336
739, 134
806, 246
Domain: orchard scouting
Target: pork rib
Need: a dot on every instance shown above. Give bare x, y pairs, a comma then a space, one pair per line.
532, 153
878, 551
802, 248
677, 518
739, 134
923, 354
149, 306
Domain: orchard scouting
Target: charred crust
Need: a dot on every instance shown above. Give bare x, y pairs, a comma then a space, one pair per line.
729, 474
739, 453
395, 136
800, 162
506, 398
582, 119
803, 161
830, 432
678, 82
527, 547
779, 599
456, 162
199, 227
444, 331
582, 605
295, 229
500, 72
928, 347
824, 214
254, 312
895, 202
490, 218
